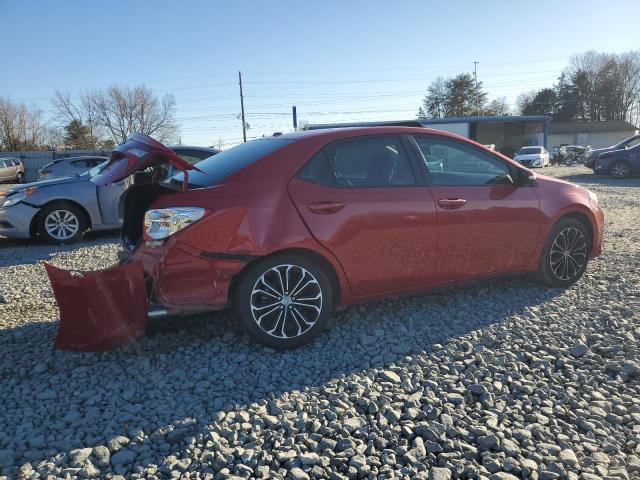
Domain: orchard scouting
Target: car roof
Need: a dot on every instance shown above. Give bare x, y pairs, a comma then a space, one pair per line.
83, 157
344, 132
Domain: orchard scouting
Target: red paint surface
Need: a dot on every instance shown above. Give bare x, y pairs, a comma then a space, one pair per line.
99, 310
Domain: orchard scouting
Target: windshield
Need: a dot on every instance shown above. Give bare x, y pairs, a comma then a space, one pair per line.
529, 150
228, 162
96, 170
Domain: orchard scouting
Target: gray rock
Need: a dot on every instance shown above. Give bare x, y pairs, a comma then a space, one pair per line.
579, 350
568, 457
123, 457
298, 474
439, 473
390, 376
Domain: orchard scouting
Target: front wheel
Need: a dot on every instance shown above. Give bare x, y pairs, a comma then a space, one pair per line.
565, 255
284, 301
620, 170
61, 223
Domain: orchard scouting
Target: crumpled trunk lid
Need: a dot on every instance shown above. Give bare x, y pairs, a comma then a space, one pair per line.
99, 310
138, 153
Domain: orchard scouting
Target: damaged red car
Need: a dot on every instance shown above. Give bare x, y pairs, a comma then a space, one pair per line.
286, 228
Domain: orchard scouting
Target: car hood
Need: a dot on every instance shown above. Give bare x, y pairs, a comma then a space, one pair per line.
558, 183
51, 183
528, 156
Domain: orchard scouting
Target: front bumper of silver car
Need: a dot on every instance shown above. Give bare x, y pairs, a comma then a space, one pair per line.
15, 221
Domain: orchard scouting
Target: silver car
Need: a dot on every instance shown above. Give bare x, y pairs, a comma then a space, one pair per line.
61, 210
69, 166
11, 170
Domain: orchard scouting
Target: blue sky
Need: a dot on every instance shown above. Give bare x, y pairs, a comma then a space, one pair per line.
336, 60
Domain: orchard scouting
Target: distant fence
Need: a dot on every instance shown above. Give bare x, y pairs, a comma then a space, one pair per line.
35, 160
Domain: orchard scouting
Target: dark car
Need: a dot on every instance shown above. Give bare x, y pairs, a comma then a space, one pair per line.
590, 156
619, 163
285, 228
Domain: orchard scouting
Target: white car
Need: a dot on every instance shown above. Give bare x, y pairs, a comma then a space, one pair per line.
533, 157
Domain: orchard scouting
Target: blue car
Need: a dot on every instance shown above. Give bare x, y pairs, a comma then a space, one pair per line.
621, 163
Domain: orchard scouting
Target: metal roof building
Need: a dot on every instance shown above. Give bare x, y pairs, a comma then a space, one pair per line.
507, 132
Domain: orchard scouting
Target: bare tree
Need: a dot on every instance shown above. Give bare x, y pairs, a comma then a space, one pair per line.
21, 127
124, 110
117, 112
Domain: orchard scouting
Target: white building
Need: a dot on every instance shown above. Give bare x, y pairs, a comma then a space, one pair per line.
594, 134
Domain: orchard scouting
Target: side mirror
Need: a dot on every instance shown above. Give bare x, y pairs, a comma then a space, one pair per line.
526, 178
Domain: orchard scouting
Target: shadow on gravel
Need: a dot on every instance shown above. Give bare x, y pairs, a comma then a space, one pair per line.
172, 382
20, 251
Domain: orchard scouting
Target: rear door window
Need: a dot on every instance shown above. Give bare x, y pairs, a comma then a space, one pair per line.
379, 161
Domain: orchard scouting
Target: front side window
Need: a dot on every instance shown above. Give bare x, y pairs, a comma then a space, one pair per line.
455, 164
364, 162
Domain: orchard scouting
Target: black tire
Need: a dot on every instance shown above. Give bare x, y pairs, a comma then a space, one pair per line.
560, 270
20, 178
72, 217
620, 169
284, 324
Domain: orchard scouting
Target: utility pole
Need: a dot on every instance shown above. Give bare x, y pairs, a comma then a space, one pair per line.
295, 117
244, 125
475, 75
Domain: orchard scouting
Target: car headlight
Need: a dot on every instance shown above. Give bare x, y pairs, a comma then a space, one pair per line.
163, 222
9, 199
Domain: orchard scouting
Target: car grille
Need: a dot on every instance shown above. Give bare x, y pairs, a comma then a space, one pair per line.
526, 162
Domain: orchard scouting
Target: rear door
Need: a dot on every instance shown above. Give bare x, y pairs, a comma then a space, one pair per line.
364, 200
486, 222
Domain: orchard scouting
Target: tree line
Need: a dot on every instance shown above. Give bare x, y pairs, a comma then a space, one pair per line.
97, 119
592, 87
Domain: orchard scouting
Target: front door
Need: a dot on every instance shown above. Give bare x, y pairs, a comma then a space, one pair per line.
361, 199
487, 222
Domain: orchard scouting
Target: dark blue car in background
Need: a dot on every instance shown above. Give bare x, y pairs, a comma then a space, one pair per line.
621, 163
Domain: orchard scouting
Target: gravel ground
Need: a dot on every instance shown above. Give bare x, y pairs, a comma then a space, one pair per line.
500, 380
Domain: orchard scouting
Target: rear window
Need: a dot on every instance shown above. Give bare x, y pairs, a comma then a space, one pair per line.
228, 162
530, 150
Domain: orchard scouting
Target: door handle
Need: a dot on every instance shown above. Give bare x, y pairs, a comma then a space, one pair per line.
325, 208
451, 203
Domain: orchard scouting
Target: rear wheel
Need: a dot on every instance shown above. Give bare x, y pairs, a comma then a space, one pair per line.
20, 177
620, 170
565, 255
61, 223
284, 301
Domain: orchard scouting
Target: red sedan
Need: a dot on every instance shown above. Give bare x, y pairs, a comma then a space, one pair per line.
286, 228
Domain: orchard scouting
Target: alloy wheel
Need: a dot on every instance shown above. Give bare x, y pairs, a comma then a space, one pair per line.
620, 170
61, 224
568, 253
286, 301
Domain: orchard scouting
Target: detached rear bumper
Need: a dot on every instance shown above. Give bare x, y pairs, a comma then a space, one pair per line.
99, 310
